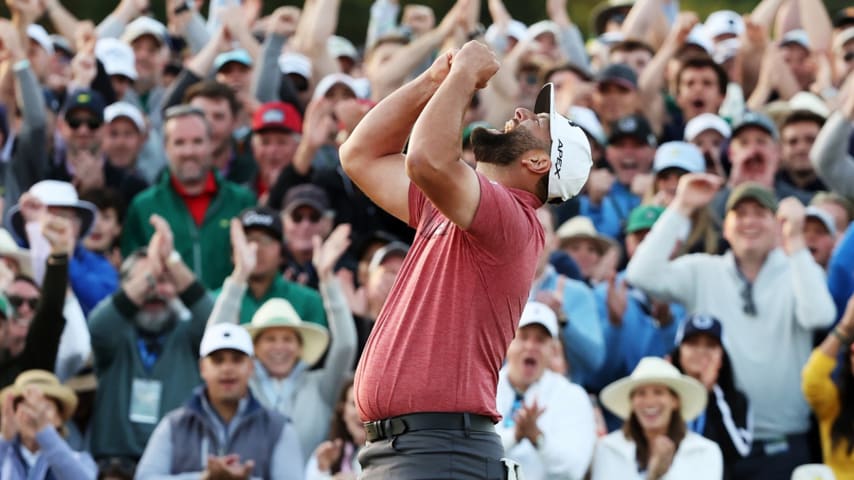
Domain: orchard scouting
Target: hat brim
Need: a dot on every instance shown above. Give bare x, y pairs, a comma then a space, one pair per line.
315, 339
22, 258
570, 150
64, 395
85, 209
600, 243
692, 395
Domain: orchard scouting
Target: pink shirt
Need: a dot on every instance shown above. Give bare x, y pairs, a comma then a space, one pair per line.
441, 336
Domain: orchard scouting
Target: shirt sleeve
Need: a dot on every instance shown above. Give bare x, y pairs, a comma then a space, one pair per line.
818, 387
65, 463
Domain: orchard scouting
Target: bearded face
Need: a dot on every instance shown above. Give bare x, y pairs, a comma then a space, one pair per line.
504, 148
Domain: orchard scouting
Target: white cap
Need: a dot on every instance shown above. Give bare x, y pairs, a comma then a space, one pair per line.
724, 22
341, 47
726, 49
682, 155
297, 63
144, 26
515, 29
587, 120
823, 217
706, 121
843, 37
382, 254
38, 34
333, 79
541, 27
570, 150
798, 37
125, 110
117, 57
810, 102
225, 336
813, 471
536, 313
698, 36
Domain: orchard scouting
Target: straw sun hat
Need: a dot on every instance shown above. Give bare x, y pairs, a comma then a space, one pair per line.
653, 370
278, 312
49, 386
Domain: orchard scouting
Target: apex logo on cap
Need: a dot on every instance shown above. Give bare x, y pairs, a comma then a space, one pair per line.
559, 161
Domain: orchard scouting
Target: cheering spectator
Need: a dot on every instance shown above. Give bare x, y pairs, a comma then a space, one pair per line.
338, 455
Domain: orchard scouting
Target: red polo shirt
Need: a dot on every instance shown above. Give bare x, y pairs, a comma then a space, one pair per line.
197, 204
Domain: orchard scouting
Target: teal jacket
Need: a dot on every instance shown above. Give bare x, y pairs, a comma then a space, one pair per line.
205, 248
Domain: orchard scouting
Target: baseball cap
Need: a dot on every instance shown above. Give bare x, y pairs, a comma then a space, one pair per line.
726, 49
225, 336
306, 194
541, 27
124, 110
514, 28
683, 155
85, 99
338, 46
796, 37
704, 122
823, 217
587, 120
843, 37
752, 191
397, 248
843, 17
643, 218
619, 74
38, 34
239, 55
295, 63
603, 11
263, 218
536, 313
570, 150
755, 119
329, 81
697, 324
635, 126
698, 36
277, 116
62, 44
724, 22
144, 26
809, 102
117, 57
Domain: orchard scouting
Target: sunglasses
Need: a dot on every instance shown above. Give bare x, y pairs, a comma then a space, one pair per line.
748, 306
77, 122
17, 301
312, 217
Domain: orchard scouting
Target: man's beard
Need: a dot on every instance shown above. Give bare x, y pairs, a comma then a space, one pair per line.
157, 321
503, 148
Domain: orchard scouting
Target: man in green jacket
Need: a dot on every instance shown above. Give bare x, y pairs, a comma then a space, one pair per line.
195, 201
146, 353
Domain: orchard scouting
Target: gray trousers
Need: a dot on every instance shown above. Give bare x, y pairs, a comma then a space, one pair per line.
434, 455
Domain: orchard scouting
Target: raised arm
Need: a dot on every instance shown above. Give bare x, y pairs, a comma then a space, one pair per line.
63, 21
244, 255
433, 161
646, 22
266, 79
829, 155
317, 23
372, 156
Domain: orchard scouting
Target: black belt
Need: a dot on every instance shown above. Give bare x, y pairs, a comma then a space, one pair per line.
390, 427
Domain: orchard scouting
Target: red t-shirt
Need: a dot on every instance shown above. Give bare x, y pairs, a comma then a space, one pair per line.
197, 204
441, 336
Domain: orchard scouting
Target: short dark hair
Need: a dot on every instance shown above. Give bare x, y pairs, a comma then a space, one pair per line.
631, 46
799, 116
701, 62
214, 90
106, 198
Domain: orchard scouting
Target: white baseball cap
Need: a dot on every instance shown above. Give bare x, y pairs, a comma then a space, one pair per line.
698, 36
587, 120
810, 102
570, 150
226, 336
125, 110
341, 47
144, 26
706, 121
38, 34
514, 28
724, 22
823, 217
682, 155
329, 81
117, 57
536, 313
297, 63
797, 37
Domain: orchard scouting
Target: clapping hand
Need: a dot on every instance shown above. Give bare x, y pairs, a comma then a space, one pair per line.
244, 253
327, 254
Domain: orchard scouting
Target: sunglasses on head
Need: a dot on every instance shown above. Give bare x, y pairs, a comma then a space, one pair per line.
77, 122
313, 217
17, 301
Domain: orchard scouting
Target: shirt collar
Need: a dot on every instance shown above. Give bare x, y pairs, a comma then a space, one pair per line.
209, 188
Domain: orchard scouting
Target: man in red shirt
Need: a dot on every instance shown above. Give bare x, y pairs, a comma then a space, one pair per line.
426, 382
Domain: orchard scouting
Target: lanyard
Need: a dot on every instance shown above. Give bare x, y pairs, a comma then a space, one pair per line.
518, 401
699, 424
149, 351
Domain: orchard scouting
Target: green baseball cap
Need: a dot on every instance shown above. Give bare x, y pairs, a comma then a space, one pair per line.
643, 218
752, 191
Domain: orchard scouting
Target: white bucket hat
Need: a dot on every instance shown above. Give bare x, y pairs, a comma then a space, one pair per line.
570, 150
53, 193
278, 312
653, 370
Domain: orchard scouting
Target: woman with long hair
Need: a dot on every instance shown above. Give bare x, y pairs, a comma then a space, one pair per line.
833, 401
337, 457
655, 401
727, 419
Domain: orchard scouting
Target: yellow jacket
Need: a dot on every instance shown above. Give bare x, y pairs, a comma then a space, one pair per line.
823, 396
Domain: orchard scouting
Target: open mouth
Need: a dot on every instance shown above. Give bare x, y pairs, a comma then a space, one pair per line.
754, 163
699, 104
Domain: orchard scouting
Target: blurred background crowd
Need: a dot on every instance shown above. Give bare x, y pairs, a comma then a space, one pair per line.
188, 276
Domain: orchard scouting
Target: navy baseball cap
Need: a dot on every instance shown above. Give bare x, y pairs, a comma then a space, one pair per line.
697, 324
85, 99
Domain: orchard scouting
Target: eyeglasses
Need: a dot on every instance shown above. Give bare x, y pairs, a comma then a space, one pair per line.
77, 122
312, 217
17, 301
